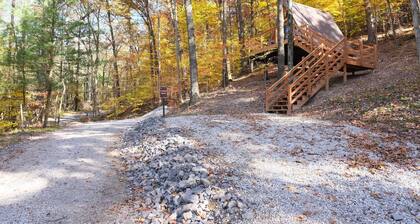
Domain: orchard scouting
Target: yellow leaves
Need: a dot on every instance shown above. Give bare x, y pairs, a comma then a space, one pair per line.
7, 126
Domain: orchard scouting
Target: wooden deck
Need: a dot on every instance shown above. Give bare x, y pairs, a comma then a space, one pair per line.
325, 59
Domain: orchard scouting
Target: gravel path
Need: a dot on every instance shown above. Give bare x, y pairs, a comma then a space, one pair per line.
68, 176
264, 168
295, 169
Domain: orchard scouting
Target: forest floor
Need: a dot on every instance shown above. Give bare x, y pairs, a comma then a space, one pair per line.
224, 160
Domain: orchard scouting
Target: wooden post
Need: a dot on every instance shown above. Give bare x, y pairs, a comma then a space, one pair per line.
22, 117
345, 73
275, 36
163, 107
252, 65
360, 51
265, 73
289, 100
327, 84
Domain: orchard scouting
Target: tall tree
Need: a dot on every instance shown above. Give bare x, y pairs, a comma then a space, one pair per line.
241, 34
51, 16
280, 38
178, 50
144, 9
252, 29
391, 18
290, 42
195, 92
370, 22
415, 7
116, 83
225, 70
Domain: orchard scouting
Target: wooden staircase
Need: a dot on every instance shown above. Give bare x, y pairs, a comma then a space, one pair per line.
313, 73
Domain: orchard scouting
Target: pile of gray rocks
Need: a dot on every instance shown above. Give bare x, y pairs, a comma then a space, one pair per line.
172, 180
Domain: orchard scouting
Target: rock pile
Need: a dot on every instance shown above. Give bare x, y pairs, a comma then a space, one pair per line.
172, 180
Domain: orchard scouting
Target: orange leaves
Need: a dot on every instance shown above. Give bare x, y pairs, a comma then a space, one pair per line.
374, 153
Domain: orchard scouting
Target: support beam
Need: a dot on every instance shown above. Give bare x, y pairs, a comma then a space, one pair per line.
345, 74
327, 84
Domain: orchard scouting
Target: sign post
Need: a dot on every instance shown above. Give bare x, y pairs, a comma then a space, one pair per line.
163, 96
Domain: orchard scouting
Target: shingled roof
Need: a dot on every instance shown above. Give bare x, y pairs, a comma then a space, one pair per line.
320, 21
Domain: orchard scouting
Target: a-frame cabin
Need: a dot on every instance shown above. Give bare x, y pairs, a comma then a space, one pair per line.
321, 51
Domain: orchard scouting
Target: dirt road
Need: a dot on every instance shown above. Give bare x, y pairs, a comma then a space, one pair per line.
68, 176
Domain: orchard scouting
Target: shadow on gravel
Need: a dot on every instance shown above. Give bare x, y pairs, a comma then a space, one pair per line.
61, 176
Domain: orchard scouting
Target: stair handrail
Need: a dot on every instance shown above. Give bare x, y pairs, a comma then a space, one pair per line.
296, 67
279, 86
296, 83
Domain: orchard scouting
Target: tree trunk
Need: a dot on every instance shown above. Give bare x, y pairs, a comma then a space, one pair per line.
154, 63
280, 39
158, 54
241, 34
76, 96
415, 7
290, 42
225, 70
60, 107
116, 83
179, 69
47, 104
50, 65
370, 22
195, 92
23, 69
252, 29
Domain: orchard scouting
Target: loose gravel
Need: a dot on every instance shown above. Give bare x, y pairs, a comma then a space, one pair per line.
268, 168
173, 179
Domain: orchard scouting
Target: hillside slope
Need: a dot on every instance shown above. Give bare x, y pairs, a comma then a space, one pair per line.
388, 99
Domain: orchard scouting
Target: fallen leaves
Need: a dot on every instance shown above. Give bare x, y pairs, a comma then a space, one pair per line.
375, 152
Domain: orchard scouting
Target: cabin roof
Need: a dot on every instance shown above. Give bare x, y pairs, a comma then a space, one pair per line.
320, 21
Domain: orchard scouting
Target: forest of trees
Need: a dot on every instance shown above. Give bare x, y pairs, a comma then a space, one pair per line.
113, 55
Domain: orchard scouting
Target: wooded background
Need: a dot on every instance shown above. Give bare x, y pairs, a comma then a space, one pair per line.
111, 56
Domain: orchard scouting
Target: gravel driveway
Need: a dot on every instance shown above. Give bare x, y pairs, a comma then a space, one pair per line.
301, 170
68, 176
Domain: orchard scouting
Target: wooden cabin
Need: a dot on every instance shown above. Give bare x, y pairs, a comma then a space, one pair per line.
320, 52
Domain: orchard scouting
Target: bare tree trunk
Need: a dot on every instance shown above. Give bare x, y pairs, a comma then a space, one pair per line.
47, 104
50, 68
241, 34
370, 22
415, 7
60, 107
144, 11
225, 70
179, 66
158, 54
76, 96
252, 29
23, 70
116, 83
290, 42
280, 39
195, 92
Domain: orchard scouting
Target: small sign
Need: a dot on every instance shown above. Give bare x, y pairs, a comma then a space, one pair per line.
163, 92
164, 96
